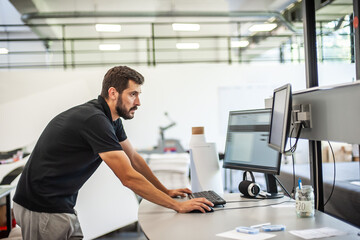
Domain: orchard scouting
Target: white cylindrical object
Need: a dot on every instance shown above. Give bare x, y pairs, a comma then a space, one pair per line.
204, 164
197, 136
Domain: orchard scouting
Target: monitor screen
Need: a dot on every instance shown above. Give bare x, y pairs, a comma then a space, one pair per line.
246, 145
280, 118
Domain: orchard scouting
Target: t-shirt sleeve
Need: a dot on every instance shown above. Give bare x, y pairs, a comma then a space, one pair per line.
120, 131
99, 133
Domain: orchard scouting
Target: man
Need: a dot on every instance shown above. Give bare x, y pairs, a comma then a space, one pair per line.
71, 148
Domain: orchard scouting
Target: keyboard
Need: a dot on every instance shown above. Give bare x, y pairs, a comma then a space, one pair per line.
209, 195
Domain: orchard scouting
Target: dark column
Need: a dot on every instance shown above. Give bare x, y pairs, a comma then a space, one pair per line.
229, 50
352, 36
312, 81
153, 43
356, 6
356, 39
64, 46
281, 53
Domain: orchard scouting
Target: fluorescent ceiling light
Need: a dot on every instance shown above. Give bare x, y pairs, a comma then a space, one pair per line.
331, 24
187, 45
185, 27
290, 6
266, 27
108, 27
239, 44
4, 51
109, 47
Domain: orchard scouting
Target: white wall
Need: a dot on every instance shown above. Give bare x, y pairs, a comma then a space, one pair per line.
193, 95
30, 99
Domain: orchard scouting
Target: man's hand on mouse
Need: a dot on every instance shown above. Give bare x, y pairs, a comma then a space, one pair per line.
195, 204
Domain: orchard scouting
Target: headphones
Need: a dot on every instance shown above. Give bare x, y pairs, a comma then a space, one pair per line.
249, 188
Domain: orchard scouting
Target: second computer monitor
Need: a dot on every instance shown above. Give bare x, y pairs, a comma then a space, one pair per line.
247, 149
280, 118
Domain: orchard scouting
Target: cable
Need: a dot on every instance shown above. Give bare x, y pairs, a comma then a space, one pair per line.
293, 167
333, 186
266, 205
291, 132
293, 164
293, 148
254, 200
282, 186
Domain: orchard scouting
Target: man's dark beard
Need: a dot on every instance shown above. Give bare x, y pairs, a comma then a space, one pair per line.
122, 112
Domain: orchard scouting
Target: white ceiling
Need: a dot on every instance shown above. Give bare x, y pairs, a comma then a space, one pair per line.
124, 11
217, 19
149, 5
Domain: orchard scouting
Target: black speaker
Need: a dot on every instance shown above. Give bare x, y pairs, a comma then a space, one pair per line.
249, 188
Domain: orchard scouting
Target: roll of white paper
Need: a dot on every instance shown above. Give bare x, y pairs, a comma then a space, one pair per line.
205, 168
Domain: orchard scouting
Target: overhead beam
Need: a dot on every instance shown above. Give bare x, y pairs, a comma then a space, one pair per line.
27, 17
24, 6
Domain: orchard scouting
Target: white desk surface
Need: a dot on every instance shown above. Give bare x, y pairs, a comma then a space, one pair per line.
162, 223
7, 168
5, 190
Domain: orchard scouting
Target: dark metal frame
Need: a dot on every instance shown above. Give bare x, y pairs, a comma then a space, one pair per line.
312, 81
151, 50
356, 6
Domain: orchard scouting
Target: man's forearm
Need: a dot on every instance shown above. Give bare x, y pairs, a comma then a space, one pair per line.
121, 165
144, 188
137, 181
141, 166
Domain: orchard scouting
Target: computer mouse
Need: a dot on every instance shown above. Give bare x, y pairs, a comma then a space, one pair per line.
206, 211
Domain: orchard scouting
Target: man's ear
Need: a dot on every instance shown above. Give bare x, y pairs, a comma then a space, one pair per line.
112, 93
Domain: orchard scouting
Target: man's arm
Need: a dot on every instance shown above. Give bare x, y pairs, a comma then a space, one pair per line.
140, 165
119, 162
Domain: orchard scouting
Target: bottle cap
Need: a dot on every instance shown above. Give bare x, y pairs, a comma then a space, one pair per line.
197, 130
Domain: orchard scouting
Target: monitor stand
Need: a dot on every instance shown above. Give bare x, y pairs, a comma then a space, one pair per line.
272, 187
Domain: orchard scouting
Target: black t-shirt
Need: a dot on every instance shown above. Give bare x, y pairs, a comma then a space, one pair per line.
66, 155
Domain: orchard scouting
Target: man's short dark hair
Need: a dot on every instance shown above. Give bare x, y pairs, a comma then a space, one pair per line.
118, 77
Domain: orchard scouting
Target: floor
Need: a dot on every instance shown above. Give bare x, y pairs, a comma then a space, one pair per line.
131, 232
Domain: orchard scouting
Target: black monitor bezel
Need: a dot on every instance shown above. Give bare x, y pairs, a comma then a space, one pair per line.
286, 120
247, 167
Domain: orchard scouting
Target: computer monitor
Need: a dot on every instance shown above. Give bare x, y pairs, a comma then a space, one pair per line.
246, 146
280, 118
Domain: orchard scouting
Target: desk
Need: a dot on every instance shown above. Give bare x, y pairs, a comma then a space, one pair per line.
161, 223
5, 192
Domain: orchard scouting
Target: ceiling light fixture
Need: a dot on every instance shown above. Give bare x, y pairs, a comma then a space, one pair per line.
185, 27
109, 47
331, 24
239, 44
266, 27
108, 27
187, 45
4, 51
290, 6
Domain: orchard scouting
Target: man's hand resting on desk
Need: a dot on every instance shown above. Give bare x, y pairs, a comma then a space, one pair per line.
195, 204
182, 192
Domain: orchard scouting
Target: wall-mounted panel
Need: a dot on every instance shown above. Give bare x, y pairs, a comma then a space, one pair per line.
335, 112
